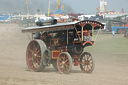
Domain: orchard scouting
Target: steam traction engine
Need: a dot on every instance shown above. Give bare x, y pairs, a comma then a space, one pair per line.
62, 45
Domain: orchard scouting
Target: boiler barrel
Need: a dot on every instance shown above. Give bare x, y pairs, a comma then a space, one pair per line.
46, 22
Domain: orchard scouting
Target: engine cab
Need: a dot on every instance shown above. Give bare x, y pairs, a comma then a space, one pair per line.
62, 45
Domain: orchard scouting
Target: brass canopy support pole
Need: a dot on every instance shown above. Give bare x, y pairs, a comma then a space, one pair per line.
82, 33
67, 36
92, 33
97, 34
77, 34
28, 36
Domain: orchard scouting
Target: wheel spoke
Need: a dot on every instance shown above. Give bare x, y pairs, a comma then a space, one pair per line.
66, 65
86, 62
84, 66
37, 61
37, 48
62, 58
66, 61
31, 51
90, 63
88, 68
84, 58
88, 57
38, 51
33, 45
60, 64
90, 60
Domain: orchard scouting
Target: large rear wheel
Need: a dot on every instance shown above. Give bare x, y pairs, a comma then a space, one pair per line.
86, 62
34, 55
64, 62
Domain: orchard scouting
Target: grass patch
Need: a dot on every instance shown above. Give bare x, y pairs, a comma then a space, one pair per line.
106, 43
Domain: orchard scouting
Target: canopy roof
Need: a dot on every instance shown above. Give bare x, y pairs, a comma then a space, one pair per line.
64, 26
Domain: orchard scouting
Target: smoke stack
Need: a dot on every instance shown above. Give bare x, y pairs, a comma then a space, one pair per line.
46, 22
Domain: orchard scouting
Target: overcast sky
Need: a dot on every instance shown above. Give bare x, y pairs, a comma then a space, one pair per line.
76, 6
89, 6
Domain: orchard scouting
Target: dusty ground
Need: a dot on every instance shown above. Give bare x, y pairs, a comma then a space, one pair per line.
111, 62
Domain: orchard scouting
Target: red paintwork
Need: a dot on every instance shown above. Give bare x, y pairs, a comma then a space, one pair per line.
87, 42
76, 62
91, 23
55, 54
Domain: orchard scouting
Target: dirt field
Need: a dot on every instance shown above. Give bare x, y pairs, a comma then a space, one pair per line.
111, 62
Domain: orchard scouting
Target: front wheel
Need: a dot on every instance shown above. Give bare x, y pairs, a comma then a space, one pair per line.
64, 63
86, 62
